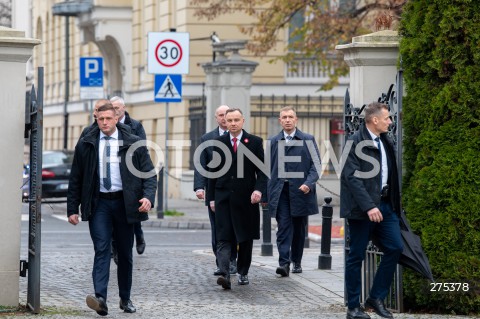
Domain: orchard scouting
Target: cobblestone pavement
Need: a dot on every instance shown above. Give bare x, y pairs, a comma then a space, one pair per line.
177, 282
170, 283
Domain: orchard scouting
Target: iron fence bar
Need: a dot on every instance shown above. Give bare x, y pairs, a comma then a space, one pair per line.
35, 196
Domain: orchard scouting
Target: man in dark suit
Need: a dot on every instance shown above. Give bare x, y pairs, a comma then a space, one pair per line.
136, 128
200, 184
112, 197
370, 201
291, 191
234, 193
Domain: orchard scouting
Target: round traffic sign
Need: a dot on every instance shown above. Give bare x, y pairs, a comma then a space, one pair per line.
168, 53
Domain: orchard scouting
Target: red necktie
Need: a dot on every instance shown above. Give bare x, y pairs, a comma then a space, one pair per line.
234, 144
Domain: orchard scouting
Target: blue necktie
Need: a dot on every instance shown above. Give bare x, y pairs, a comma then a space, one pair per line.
289, 138
377, 139
107, 180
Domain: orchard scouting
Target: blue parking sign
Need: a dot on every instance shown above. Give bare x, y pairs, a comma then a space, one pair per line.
91, 72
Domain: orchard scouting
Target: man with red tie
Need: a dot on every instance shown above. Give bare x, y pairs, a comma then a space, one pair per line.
235, 195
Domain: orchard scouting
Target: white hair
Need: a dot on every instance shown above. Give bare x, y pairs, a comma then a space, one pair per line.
117, 98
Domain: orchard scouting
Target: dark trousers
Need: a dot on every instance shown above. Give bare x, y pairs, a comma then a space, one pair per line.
110, 217
137, 229
388, 233
291, 231
233, 246
244, 256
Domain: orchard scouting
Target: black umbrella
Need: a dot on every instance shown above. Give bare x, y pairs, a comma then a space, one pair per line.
413, 255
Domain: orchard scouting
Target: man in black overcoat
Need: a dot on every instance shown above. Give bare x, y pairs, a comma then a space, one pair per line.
200, 182
235, 192
370, 201
111, 193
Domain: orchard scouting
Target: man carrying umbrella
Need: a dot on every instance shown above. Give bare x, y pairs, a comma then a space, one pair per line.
370, 201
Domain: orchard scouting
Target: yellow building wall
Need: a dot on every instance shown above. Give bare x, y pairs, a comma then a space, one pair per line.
147, 16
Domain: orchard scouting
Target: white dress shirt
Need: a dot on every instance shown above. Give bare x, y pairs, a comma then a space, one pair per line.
239, 137
291, 134
114, 163
384, 164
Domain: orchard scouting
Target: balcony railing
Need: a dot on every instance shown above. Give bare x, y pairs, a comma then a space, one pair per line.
308, 70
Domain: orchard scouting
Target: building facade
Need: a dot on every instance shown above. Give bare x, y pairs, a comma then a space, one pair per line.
117, 30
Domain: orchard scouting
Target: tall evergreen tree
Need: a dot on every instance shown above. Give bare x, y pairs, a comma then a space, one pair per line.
440, 51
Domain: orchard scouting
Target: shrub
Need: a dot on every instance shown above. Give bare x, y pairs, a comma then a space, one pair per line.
440, 50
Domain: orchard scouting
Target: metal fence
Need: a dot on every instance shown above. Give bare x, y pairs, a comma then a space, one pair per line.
353, 119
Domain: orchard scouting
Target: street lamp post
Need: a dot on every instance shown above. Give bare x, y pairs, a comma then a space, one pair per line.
69, 9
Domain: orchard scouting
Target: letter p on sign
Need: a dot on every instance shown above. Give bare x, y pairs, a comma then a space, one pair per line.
91, 71
91, 66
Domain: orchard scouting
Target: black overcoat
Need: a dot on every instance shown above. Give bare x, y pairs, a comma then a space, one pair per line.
235, 215
84, 183
359, 187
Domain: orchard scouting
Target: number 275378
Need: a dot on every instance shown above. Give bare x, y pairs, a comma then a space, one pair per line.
449, 286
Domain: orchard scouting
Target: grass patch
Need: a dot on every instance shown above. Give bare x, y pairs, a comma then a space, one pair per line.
21, 310
173, 213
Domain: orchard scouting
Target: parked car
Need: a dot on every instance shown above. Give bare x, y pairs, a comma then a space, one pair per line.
56, 167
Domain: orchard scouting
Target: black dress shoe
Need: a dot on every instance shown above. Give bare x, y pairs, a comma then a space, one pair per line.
98, 304
217, 272
283, 270
224, 281
378, 306
140, 244
297, 268
127, 306
357, 313
243, 280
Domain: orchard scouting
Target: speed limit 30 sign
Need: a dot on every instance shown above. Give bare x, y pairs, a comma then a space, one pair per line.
168, 52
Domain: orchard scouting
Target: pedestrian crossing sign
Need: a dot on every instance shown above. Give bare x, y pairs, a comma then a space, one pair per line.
168, 88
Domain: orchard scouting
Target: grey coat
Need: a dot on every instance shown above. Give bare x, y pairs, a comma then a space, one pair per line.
199, 180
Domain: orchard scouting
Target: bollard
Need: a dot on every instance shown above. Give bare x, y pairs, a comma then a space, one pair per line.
267, 248
325, 259
160, 213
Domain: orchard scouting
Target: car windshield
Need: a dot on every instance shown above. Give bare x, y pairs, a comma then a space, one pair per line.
56, 158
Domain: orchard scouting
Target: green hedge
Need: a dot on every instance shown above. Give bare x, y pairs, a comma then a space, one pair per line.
440, 50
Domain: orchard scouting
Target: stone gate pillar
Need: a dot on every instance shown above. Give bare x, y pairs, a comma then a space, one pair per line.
15, 50
229, 79
373, 65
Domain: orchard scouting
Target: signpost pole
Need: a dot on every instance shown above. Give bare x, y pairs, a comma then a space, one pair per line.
91, 112
165, 169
